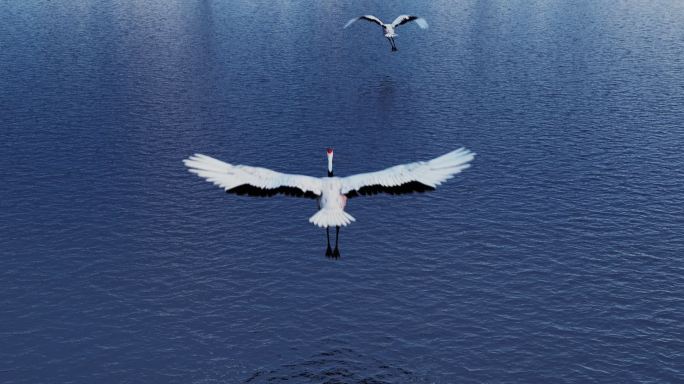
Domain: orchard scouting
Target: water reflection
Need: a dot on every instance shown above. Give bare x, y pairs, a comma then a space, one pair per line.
338, 365
387, 90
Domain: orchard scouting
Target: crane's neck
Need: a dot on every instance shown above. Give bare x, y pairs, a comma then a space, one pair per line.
330, 169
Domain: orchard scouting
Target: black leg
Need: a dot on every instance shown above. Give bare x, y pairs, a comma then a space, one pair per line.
328, 251
336, 252
394, 45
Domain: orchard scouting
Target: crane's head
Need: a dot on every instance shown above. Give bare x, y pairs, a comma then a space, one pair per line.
330, 159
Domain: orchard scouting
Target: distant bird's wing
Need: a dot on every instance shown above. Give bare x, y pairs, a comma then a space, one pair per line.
364, 17
252, 181
420, 176
403, 19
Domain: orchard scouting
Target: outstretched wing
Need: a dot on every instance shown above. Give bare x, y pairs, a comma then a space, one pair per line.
403, 19
420, 176
252, 181
364, 17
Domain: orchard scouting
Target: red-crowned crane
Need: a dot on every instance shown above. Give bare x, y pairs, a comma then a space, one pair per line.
332, 192
388, 29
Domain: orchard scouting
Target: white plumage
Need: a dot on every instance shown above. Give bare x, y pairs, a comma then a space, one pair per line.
228, 176
332, 192
330, 217
388, 30
429, 173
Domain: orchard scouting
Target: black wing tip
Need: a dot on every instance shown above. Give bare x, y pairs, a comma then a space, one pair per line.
250, 190
403, 189
371, 18
409, 18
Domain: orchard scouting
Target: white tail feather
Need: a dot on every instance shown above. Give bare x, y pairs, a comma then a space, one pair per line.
327, 217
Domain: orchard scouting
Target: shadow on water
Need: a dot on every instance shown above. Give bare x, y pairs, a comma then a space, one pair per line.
386, 93
340, 365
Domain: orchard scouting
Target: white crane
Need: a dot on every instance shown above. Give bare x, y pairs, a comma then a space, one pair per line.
388, 29
332, 192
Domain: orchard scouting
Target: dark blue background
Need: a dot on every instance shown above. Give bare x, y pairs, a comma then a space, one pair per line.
556, 258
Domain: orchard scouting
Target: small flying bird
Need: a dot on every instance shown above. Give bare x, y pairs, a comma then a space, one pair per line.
388, 29
332, 192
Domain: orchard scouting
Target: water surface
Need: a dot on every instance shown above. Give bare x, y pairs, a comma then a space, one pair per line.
556, 258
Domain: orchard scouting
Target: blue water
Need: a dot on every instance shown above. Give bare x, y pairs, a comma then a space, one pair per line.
557, 258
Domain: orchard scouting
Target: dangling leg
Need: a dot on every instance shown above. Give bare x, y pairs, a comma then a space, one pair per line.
394, 45
336, 252
328, 252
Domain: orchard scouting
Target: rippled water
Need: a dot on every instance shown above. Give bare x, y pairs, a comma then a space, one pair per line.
556, 258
